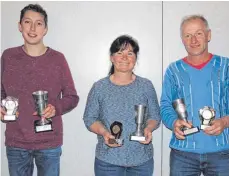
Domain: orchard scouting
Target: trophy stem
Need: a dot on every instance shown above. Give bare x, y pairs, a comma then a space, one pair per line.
139, 130
42, 121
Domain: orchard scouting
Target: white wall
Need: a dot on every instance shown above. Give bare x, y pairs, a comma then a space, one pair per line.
217, 15
83, 31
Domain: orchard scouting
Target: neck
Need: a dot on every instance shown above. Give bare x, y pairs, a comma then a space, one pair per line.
34, 50
122, 78
197, 60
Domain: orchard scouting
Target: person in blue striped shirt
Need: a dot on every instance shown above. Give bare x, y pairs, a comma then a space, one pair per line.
200, 79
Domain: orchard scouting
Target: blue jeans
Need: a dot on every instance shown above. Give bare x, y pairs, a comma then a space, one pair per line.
20, 161
105, 169
193, 164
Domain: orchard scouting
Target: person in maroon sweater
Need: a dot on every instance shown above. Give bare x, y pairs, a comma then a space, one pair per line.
24, 70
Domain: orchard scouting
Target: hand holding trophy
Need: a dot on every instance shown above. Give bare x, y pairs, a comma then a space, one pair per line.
180, 109
10, 104
41, 101
116, 131
207, 114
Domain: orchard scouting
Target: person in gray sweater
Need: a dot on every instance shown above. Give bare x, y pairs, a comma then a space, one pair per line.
113, 99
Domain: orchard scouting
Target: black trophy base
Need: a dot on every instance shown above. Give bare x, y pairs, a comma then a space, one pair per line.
202, 127
9, 118
137, 138
45, 127
189, 131
116, 141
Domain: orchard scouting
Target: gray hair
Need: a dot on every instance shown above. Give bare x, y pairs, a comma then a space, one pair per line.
194, 17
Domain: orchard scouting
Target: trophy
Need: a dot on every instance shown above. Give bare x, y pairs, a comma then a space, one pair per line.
207, 114
41, 100
116, 131
10, 104
180, 109
138, 135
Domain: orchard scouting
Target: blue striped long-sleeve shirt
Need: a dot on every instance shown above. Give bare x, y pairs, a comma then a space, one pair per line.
208, 86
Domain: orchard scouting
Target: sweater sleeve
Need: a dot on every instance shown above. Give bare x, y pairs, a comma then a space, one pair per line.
168, 114
227, 88
91, 113
3, 93
153, 105
68, 99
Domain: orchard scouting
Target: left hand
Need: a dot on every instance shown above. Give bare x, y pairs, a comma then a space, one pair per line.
148, 136
49, 112
216, 128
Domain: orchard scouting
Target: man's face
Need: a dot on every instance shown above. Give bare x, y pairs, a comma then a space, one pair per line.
32, 27
195, 37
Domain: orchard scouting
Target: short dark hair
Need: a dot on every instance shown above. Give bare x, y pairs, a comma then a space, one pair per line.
35, 8
121, 43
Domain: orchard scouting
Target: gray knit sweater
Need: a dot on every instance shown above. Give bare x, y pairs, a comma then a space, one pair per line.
107, 103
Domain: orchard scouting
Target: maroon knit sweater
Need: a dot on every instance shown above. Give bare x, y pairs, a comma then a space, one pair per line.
22, 75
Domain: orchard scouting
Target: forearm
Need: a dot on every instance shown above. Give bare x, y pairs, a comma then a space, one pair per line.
65, 104
226, 121
168, 117
69, 99
98, 128
152, 124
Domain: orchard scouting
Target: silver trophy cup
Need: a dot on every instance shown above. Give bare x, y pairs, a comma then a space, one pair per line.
41, 100
10, 104
206, 114
180, 109
138, 135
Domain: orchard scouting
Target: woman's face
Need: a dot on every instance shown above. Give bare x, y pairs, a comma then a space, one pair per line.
124, 60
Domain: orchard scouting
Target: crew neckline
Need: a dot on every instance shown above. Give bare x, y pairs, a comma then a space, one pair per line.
199, 66
35, 57
126, 85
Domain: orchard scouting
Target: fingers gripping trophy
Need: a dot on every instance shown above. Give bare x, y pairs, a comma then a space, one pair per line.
10, 104
41, 100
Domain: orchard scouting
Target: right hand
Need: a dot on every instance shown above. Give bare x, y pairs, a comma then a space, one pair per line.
178, 126
3, 112
106, 135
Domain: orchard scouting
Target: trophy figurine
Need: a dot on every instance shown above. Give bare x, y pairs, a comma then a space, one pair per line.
10, 104
138, 135
207, 114
41, 100
180, 109
116, 131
